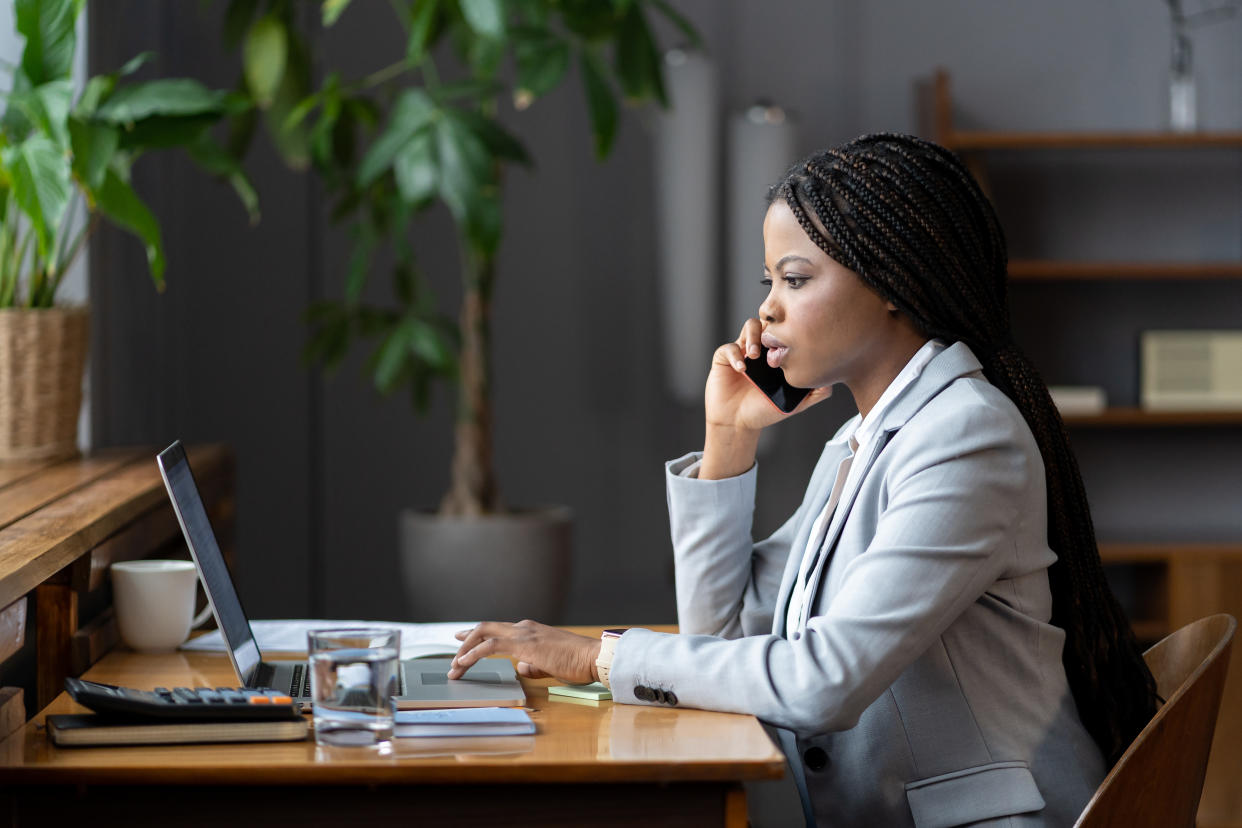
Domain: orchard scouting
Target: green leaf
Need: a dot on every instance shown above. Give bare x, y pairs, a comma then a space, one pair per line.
426, 344
465, 165
414, 169
167, 96
47, 107
263, 58
391, 357
412, 112
541, 64
291, 141
486, 17
332, 11
48, 26
118, 201
134, 64
41, 186
165, 132
422, 25
364, 237
500, 142
638, 60
600, 102
97, 89
211, 157
94, 145
237, 21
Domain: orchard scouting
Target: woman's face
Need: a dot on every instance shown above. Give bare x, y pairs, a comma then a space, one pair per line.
821, 324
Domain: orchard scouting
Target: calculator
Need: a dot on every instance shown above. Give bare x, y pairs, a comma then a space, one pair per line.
183, 703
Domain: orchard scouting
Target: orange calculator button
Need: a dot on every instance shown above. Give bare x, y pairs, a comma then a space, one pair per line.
281, 700
259, 700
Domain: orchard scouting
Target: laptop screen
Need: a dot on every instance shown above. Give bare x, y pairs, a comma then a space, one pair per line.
225, 605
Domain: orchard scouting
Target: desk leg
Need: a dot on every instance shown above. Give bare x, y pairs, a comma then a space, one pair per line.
55, 621
735, 815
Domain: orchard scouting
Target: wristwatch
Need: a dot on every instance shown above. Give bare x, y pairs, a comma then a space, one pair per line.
607, 646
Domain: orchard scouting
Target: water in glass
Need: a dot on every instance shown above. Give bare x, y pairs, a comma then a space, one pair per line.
352, 690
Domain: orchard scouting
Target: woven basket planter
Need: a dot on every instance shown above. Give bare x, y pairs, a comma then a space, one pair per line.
42, 358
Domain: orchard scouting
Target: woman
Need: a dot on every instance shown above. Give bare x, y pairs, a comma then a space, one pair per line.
930, 631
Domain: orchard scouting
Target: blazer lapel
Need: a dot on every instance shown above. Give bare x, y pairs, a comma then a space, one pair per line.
952, 363
839, 515
794, 561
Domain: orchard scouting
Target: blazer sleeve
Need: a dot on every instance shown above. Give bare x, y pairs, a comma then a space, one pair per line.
726, 583
956, 490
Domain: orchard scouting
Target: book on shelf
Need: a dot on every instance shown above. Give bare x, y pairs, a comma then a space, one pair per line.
465, 721
1078, 400
76, 730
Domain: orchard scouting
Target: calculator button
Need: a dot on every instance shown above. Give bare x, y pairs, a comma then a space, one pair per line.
185, 694
259, 700
281, 700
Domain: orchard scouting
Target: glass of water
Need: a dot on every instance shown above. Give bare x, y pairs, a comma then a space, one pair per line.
353, 681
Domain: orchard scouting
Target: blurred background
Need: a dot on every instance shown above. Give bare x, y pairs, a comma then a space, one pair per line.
584, 411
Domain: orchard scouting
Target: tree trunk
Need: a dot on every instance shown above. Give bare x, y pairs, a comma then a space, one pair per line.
472, 486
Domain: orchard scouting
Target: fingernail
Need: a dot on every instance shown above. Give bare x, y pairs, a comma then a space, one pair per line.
739, 365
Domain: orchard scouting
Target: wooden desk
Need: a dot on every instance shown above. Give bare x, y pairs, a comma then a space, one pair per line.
588, 764
62, 523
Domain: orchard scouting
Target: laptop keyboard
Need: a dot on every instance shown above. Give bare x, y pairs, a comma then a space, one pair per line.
299, 685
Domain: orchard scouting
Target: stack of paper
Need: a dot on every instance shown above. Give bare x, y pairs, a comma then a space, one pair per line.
469, 721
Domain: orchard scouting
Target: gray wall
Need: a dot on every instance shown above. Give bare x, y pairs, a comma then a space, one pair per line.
324, 465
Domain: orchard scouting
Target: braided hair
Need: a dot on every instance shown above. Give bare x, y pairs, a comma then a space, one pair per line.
907, 217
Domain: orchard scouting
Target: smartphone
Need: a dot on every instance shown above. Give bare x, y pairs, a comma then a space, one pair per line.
771, 381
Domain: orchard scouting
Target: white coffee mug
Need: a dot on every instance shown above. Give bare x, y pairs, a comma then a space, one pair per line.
154, 603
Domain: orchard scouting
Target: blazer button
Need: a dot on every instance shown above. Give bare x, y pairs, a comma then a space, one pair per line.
815, 759
671, 698
657, 695
643, 692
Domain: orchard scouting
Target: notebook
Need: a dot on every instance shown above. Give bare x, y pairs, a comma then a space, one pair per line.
421, 682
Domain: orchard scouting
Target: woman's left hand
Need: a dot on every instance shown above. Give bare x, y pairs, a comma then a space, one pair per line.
541, 650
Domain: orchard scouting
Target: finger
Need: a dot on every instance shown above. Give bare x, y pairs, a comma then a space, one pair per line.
732, 355
752, 333
464, 661
531, 671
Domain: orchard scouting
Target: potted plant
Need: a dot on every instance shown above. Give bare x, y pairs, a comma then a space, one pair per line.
58, 157
431, 139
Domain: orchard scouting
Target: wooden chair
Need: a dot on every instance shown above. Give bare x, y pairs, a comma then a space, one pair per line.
1159, 778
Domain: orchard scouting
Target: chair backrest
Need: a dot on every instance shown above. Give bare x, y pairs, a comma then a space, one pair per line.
1159, 778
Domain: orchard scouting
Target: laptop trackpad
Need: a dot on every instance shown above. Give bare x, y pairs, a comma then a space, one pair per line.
441, 678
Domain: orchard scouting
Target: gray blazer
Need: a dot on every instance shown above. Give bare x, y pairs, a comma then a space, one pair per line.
927, 688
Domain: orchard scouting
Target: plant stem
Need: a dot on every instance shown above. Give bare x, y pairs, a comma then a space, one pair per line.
472, 487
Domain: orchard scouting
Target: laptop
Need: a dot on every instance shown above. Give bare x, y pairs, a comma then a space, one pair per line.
421, 682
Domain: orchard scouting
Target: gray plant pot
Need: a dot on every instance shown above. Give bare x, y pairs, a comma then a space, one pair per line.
503, 567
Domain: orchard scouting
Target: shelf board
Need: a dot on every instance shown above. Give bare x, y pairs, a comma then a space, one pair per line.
1131, 553
1057, 270
1149, 630
1142, 418
976, 140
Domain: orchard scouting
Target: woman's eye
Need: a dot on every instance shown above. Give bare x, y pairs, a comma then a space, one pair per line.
765, 281
795, 282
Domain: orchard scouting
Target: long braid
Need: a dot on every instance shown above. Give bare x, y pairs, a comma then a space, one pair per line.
908, 218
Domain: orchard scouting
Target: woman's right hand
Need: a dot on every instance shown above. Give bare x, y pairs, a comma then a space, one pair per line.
736, 410
731, 400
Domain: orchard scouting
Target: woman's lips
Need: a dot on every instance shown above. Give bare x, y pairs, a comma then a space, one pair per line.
776, 349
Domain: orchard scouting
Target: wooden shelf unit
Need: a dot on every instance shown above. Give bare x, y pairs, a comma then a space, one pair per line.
1139, 418
1040, 270
1169, 583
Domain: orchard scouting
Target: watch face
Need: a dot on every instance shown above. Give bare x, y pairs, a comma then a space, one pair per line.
614, 632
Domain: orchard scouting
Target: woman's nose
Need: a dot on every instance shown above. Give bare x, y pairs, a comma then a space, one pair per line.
768, 308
